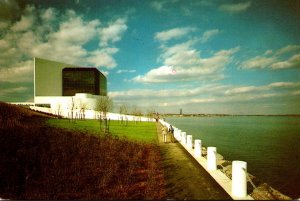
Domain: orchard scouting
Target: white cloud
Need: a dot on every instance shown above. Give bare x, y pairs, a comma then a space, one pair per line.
103, 57
183, 63
268, 52
209, 34
14, 90
240, 90
264, 88
9, 55
66, 41
258, 62
187, 102
69, 53
24, 24
235, 7
284, 84
125, 71
216, 92
156, 75
49, 15
288, 49
275, 59
21, 72
168, 93
113, 32
26, 21
173, 33
211, 93
292, 62
56, 35
158, 5
105, 73
27, 42
76, 31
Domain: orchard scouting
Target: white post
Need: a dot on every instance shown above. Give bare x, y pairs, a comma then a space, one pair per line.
198, 147
189, 143
183, 137
239, 179
211, 158
176, 133
179, 135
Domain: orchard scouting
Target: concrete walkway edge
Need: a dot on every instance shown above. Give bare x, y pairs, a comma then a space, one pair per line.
217, 175
185, 178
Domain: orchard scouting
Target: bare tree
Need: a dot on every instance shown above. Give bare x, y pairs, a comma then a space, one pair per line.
83, 107
137, 112
58, 106
124, 111
72, 108
151, 114
103, 106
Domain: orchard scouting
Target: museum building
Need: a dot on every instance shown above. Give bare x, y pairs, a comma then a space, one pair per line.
62, 86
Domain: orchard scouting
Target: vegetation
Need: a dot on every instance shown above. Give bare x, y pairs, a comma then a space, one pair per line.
104, 105
38, 161
142, 131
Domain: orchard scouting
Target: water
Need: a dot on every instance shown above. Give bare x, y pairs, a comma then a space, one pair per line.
269, 144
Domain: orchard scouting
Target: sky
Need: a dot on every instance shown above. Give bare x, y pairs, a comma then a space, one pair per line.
202, 56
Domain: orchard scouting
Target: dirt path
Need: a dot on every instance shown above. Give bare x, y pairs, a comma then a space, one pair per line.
185, 178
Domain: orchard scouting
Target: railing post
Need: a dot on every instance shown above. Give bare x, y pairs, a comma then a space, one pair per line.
198, 148
189, 143
176, 133
183, 137
239, 179
211, 158
179, 135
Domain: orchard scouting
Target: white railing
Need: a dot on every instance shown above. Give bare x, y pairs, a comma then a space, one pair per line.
237, 187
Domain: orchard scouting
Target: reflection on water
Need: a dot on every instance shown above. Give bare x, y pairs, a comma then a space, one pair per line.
270, 145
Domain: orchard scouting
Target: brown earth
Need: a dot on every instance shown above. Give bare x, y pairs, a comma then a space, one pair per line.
40, 162
184, 177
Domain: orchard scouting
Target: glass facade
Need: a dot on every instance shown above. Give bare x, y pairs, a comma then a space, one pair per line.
83, 80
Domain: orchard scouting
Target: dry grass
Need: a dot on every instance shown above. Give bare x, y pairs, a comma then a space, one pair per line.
41, 162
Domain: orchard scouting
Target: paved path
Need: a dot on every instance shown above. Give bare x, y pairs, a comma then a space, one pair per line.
185, 178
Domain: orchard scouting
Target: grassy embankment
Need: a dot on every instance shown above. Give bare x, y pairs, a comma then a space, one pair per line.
40, 161
140, 131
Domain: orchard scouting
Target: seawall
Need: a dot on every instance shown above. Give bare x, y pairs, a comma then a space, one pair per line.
222, 171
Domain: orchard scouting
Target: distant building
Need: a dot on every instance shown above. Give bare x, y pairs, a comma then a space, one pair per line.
60, 85
70, 91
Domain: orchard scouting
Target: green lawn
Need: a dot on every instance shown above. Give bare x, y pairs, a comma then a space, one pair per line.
140, 131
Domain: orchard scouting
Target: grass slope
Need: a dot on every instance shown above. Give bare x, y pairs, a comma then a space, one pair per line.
140, 131
38, 161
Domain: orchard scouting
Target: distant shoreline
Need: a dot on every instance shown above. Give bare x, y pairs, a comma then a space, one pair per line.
230, 115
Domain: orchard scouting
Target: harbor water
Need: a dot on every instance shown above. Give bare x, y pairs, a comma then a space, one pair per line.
269, 144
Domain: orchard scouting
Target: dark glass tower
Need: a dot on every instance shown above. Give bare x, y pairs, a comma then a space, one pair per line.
83, 80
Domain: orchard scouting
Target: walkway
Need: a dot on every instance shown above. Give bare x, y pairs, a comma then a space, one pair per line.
185, 178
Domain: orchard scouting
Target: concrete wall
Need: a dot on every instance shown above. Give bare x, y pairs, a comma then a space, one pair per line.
48, 77
80, 100
90, 114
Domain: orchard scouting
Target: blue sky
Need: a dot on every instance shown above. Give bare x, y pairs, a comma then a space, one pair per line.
204, 56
